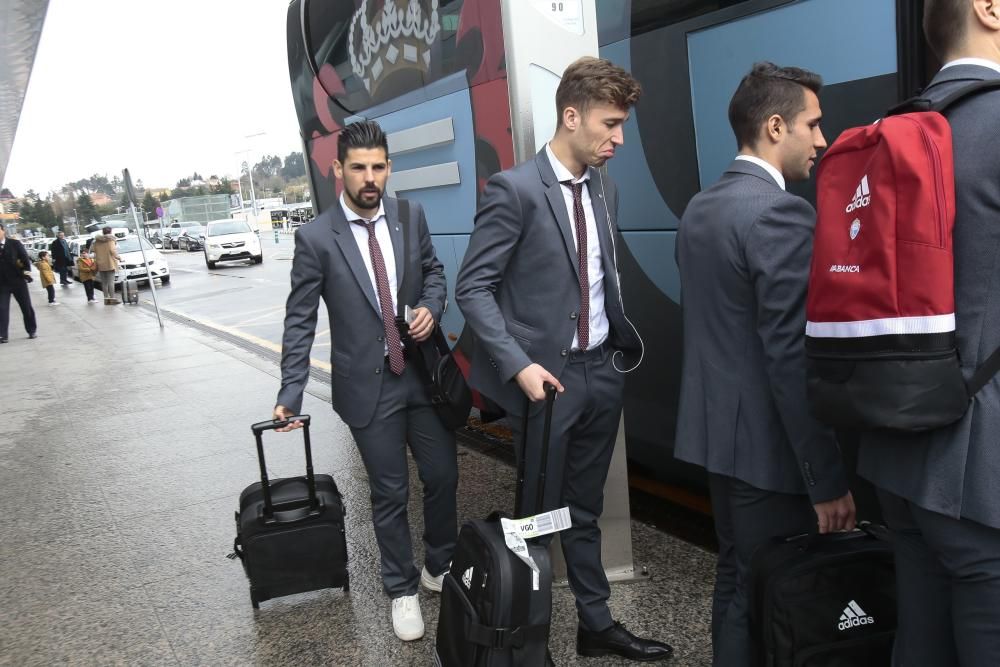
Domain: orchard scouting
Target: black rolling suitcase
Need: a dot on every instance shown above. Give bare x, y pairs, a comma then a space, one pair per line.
825, 600
290, 532
492, 615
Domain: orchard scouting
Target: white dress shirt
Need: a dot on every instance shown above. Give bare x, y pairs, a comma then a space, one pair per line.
384, 243
599, 326
982, 62
766, 166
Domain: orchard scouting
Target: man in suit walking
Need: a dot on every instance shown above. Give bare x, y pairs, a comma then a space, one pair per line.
353, 257
743, 248
539, 287
14, 265
940, 490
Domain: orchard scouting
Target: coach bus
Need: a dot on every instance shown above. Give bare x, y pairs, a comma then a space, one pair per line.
434, 73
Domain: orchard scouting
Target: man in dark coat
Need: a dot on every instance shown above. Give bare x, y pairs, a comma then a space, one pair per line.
61, 259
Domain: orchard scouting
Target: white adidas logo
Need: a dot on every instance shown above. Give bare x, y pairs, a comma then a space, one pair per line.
467, 578
854, 616
862, 197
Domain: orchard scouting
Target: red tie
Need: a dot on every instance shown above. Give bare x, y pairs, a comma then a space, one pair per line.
396, 362
583, 323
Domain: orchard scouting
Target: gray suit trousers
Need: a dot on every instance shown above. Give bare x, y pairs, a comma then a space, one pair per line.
404, 415
584, 429
745, 518
948, 587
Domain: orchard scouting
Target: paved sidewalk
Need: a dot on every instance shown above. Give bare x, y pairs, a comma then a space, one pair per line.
122, 455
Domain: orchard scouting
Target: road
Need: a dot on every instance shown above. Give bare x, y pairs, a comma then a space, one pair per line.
238, 297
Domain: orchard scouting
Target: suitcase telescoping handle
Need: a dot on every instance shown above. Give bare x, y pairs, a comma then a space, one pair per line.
550, 398
258, 431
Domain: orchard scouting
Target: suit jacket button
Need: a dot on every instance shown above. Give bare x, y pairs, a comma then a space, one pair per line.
564, 352
572, 316
381, 339
378, 371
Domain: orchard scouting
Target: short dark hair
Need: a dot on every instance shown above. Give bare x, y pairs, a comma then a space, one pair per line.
42, 254
588, 80
362, 134
106, 230
765, 91
945, 24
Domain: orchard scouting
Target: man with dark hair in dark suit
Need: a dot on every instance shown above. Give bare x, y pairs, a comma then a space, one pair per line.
743, 248
15, 266
354, 257
940, 490
61, 259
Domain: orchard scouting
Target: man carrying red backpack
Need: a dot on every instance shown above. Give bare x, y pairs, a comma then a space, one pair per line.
940, 488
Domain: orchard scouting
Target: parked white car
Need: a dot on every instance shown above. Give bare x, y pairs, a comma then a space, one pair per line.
230, 240
131, 265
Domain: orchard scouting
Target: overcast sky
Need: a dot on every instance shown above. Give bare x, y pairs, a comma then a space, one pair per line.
162, 87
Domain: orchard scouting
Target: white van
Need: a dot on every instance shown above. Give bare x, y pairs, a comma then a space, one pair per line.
230, 240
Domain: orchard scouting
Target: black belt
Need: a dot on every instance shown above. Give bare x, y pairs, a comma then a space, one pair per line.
593, 353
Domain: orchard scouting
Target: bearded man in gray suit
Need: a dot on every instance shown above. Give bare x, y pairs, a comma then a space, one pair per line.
940, 490
539, 287
352, 256
744, 246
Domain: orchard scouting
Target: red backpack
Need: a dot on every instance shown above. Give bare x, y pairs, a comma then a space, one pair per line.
880, 336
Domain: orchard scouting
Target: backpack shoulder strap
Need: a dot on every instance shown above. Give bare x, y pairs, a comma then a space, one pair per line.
404, 222
920, 103
985, 373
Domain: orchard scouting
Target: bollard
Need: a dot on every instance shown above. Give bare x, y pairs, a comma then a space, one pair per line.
276, 237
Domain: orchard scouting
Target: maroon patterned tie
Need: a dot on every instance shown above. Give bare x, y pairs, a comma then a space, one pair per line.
396, 362
583, 323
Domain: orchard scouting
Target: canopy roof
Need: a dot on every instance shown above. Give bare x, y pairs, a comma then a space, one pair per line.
20, 29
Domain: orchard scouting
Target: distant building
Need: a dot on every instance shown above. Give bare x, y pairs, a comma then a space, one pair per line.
197, 209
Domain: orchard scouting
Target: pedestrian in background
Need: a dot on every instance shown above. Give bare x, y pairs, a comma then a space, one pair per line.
15, 274
106, 258
87, 268
61, 259
48, 276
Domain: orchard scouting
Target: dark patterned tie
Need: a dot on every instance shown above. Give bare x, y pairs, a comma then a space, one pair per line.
396, 362
580, 218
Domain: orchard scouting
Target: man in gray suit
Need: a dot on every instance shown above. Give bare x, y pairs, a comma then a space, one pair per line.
743, 247
940, 490
352, 257
539, 287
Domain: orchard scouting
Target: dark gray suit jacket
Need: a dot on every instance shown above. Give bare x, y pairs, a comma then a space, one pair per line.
328, 264
743, 248
956, 470
519, 287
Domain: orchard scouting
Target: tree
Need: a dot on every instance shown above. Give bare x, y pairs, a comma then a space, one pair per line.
268, 167
196, 177
85, 209
295, 166
149, 204
184, 183
6, 194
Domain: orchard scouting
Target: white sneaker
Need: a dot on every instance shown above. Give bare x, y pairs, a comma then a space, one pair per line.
429, 582
407, 622
53, 303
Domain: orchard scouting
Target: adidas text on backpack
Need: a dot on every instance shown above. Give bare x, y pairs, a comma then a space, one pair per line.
880, 336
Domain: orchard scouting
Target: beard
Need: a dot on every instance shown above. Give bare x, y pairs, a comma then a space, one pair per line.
357, 198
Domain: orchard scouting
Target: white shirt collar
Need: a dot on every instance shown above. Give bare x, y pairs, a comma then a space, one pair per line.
562, 173
351, 215
982, 62
766, 166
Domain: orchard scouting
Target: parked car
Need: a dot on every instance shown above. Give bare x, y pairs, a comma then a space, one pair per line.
132, 266
191, 238
230, 240
174, 231
156, 240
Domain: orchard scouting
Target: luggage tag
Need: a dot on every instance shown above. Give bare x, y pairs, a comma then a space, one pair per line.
515, 531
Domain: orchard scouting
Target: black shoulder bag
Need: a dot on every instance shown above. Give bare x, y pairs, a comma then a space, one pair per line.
449, 392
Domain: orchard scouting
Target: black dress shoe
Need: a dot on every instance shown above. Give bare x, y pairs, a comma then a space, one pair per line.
32, 335
3, 340
616, 640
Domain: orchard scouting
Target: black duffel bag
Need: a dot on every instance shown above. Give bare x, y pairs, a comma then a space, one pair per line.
445, 382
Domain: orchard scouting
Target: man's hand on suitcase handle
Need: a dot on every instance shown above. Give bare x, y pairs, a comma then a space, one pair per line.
281, 413
836, 515
532, 380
